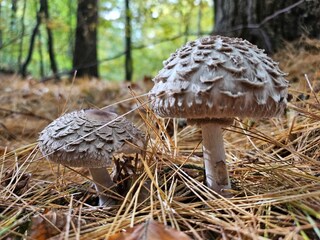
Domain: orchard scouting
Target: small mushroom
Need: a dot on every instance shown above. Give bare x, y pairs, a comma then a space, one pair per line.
89, 138
234, 79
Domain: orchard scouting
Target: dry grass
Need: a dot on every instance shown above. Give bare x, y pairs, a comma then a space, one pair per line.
274, 167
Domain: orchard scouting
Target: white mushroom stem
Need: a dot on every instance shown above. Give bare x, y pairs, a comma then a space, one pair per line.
215, 158
102, 180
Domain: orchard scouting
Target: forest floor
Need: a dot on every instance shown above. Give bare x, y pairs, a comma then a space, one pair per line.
274, 165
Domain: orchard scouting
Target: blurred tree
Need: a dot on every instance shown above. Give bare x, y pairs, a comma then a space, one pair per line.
13, 26
22, 32
71, 32
13, 17
85, 52
267, 23
53, 62
0, 25
157, 29
128, 54
199, 19
41, 65
42, 15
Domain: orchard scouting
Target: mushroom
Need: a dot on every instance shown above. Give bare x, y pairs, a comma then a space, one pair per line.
212, 80
89, 138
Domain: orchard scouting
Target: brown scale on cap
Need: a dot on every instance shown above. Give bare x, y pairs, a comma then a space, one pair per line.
213, 75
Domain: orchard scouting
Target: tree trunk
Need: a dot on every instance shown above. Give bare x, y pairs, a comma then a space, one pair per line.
13, 16
22, 31
199, 19
13, 28
1, 41
128, 51
24, 66
52, 58
85, 52
41, 65
42, 13
71, 32
267, 23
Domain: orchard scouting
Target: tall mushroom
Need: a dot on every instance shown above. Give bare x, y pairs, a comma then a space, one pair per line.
212, 80
89, 138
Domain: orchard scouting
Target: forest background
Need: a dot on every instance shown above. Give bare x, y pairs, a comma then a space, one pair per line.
158, 28
119, 40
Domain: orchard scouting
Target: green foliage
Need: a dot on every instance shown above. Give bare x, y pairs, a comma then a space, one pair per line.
158, 28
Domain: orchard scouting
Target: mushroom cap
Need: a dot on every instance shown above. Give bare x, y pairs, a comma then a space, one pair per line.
88, 138
218, 77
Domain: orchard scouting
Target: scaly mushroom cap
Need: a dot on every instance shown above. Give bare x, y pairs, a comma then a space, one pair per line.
219, 77
88, 138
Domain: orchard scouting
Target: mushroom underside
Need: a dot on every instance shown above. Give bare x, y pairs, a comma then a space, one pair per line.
223, 108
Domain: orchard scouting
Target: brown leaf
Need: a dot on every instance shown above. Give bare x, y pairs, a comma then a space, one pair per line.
48, 225
18, 182
150, 230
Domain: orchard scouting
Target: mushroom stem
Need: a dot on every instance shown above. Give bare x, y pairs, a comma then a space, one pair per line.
215, 158
102, 180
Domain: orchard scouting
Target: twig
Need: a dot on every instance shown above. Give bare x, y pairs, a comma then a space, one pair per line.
311, 88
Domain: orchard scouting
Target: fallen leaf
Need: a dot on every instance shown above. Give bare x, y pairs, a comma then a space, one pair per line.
49, 224
19, 183
150, 230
